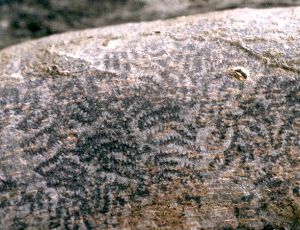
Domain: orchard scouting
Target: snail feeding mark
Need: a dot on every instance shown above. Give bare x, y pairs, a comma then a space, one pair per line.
239, 73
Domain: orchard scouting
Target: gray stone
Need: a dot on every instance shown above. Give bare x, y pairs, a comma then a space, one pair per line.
24, 20
185, 124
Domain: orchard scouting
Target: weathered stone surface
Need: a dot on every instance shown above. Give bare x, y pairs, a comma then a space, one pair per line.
22, 20
154, 127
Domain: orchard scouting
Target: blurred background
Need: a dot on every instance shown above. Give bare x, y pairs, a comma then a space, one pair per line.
22, 20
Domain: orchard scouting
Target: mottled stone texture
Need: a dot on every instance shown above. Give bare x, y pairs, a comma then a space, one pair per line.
26, 19
141, 126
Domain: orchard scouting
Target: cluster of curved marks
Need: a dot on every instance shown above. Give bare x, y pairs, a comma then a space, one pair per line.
153, 140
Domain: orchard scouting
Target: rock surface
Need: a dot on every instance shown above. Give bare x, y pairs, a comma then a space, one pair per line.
22, 20
154, 127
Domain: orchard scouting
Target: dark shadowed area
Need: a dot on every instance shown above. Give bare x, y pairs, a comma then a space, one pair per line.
22, 20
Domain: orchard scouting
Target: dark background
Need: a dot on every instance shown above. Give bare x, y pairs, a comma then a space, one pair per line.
22, 20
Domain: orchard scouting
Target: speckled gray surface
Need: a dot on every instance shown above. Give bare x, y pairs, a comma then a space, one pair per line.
148, 128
